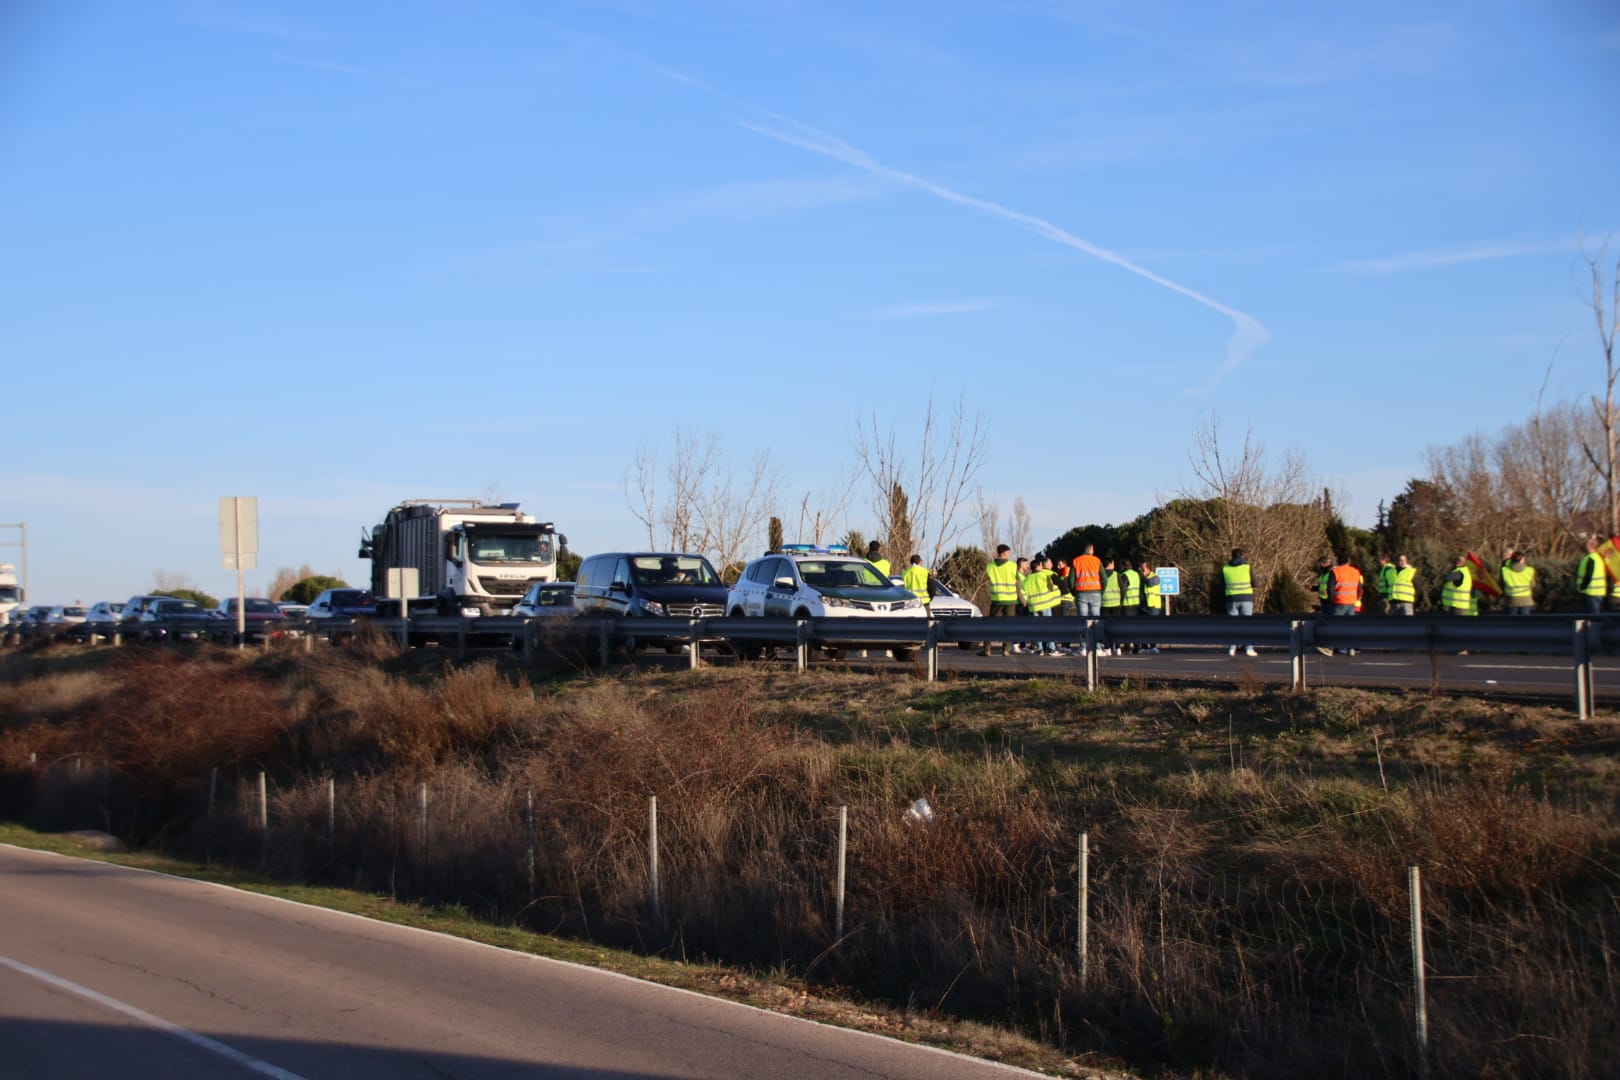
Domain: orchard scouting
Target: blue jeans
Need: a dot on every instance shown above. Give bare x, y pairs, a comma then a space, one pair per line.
1240, 607
1088, 605
1045, 646
1594, 604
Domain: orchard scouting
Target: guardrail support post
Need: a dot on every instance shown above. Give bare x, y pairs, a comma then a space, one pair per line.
461, 636
1296, 654
605, 641
931, 650
801, 643
1584, 687
528, 642
1092, 626
404, 626
694, 644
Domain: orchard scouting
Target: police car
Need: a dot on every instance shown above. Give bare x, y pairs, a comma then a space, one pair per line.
806, 581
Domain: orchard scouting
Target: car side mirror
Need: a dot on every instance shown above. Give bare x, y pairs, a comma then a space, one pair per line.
620, 587
784, 583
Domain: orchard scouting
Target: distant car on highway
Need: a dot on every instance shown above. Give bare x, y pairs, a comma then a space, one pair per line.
102, 619
546, 600
342, 604
172, 619
262, 620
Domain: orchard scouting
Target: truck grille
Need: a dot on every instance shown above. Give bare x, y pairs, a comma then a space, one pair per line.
497, 587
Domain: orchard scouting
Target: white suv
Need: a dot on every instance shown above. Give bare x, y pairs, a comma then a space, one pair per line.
806, 582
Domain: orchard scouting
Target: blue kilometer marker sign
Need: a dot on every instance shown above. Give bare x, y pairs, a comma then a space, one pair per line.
1169, 580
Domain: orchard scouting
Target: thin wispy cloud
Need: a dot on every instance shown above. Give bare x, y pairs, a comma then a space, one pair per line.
1438, 258
924, 311
770, 198
1248, 333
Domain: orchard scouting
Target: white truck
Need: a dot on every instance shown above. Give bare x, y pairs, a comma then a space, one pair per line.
474, 558
11, 593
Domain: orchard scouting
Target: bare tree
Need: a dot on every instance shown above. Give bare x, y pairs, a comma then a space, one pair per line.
1605, 301
286, 577
1021, 536
822, 513
696, 502
987, 514
938, 472
1239, 499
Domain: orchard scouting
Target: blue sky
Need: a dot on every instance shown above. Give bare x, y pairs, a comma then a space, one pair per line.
340, 255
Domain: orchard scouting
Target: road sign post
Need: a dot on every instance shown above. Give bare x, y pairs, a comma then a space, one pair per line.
239, 544
1169, 584
404, 582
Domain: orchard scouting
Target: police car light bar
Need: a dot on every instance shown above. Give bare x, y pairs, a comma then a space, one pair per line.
815, 549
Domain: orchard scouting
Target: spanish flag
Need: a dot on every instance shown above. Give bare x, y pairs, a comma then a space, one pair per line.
1484, 581
1609, 552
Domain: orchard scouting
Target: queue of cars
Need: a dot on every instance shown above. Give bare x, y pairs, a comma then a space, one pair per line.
797, 581
156, 618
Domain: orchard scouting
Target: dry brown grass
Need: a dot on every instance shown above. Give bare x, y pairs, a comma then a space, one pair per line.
1248, 882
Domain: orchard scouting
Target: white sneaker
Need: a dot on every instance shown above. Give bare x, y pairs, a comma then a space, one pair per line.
1231, 650
1154, 649
1105, 651
1248, 650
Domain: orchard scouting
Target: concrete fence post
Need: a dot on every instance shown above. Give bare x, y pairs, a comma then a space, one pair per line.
801, 643
1420, 1009
528, 836
264, 820
422, 826
843, 859
1085, 905
331, 812
652, 854
694, 644
1093, 626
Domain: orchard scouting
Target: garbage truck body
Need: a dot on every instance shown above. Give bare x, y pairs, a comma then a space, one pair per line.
476, 559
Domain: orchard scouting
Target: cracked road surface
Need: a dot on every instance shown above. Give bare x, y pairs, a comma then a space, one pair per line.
108, 971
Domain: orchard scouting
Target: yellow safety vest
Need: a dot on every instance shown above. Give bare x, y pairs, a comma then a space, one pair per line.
1516, 584
1386, 580
1110, 592
1599, 583
1130, 590
1459, 596
1040, 592
1238, 581
916, 579
1324, 581
1404, 591
1003, 581
1151, 591
881, 564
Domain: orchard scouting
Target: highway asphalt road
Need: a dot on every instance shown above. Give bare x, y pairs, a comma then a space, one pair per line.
108, 971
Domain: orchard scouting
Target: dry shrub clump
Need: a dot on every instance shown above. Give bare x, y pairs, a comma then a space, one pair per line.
1247, 883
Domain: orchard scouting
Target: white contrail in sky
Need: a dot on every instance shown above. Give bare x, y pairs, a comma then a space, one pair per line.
1247, 332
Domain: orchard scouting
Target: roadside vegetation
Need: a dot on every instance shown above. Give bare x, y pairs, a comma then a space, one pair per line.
1249, 846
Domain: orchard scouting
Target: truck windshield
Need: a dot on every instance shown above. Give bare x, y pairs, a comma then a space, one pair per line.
486, 548
10, 594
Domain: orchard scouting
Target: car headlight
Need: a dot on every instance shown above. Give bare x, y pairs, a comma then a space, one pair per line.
469, 613
836, 601
652, 607
904, 604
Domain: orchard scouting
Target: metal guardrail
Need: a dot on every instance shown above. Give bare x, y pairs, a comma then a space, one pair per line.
1578, 637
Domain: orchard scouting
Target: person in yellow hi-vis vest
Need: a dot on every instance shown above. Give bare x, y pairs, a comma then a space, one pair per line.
1042, 596
1518, 584
874, 555
1403, 593
915, 578
1237, 582
1002, 575
1592, 578
1457, 589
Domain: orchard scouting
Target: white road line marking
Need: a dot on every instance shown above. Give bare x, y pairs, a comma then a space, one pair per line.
1569, 667
202, 1042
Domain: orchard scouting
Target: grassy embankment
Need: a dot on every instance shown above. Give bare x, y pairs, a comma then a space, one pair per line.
1248, 908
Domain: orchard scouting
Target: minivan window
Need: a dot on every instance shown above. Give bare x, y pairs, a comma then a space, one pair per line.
621, 572
673, 570
595, 573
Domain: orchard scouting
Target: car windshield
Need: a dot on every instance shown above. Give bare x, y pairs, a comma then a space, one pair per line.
842, 574
259, 607
673, 570
486, 548
74, 612
351, 598
178, 607
554, 597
